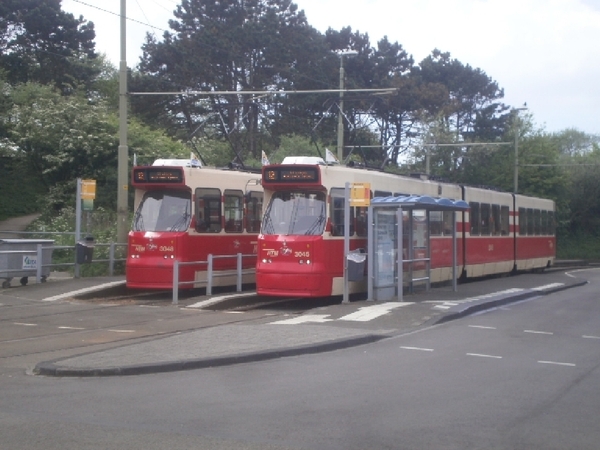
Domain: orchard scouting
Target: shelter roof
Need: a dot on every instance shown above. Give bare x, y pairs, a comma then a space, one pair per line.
421, 202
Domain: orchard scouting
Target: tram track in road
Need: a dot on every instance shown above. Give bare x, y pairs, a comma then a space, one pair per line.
69, 339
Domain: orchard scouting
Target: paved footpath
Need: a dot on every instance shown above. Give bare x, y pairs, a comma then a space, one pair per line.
317, 330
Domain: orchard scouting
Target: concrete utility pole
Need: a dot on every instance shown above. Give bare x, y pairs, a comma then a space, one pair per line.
517, 131
340, 130
123, 154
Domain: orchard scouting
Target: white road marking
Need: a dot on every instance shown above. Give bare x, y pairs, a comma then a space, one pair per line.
122, 331
213, 300
482, 327
557, 363
484, 356
538, 332
71, 328
590, 337
25, 324
449, 304
319, 318
368, 313
83, 291
418, 348
548, 286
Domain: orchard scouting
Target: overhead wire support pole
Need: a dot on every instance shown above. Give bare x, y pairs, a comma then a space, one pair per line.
123, 151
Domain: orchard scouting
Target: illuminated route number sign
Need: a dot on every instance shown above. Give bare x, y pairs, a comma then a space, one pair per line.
297, 174
157, 175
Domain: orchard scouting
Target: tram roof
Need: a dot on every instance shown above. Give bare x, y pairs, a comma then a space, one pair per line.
421, 202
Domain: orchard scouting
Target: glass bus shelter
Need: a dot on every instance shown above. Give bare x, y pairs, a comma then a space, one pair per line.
398, 239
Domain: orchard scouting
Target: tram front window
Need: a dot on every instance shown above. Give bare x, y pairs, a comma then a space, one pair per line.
301, 213
163, 211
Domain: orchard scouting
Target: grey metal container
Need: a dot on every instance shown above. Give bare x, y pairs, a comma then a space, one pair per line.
18, 258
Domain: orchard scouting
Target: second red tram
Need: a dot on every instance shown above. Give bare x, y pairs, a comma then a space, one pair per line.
186, 212
300, 248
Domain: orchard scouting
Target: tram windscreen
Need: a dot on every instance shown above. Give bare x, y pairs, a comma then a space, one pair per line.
301, 213
163, 210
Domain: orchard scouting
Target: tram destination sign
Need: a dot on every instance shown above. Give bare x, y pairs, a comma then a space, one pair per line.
293, 175
157, 175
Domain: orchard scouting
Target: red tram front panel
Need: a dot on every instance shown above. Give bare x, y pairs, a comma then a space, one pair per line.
185, 214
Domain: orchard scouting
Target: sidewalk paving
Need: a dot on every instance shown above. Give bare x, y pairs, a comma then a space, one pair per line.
328, 330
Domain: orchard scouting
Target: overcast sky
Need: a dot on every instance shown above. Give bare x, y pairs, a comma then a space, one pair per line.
543, 52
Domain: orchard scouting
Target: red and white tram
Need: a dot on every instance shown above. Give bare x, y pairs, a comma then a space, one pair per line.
184, 211
301, 245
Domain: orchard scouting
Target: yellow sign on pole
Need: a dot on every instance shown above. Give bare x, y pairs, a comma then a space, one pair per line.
360, 194
88, 189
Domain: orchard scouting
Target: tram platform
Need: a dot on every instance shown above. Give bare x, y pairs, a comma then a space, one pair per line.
317, 330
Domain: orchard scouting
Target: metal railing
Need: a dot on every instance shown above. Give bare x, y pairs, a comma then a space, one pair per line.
210, 273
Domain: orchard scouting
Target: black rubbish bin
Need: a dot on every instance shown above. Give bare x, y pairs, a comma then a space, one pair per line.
356, 266
85, 250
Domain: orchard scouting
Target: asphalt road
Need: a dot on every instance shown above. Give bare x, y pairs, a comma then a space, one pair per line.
524, 375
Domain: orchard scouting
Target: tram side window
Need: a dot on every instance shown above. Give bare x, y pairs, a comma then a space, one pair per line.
545, 229
234, 209
504, 221
435, 223
382, 194
208, 210
485, 219
530, 222
537, 222
475, 219
254, 208
361, 221
448, 218
337, 212
495, 220
551, 223
522, 221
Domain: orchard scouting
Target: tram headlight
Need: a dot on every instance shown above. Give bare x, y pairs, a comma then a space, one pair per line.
266, 261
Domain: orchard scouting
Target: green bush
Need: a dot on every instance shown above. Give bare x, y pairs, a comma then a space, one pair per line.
100, 224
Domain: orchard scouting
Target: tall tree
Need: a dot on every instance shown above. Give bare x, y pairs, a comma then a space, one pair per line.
472, 111
233, 45
39, 42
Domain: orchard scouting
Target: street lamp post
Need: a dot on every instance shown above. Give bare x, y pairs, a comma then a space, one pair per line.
517, 131
340, 130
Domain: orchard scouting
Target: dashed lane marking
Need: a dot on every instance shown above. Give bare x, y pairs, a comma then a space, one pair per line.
417, 348
25, 324
558, 363
538, 332
484, 356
